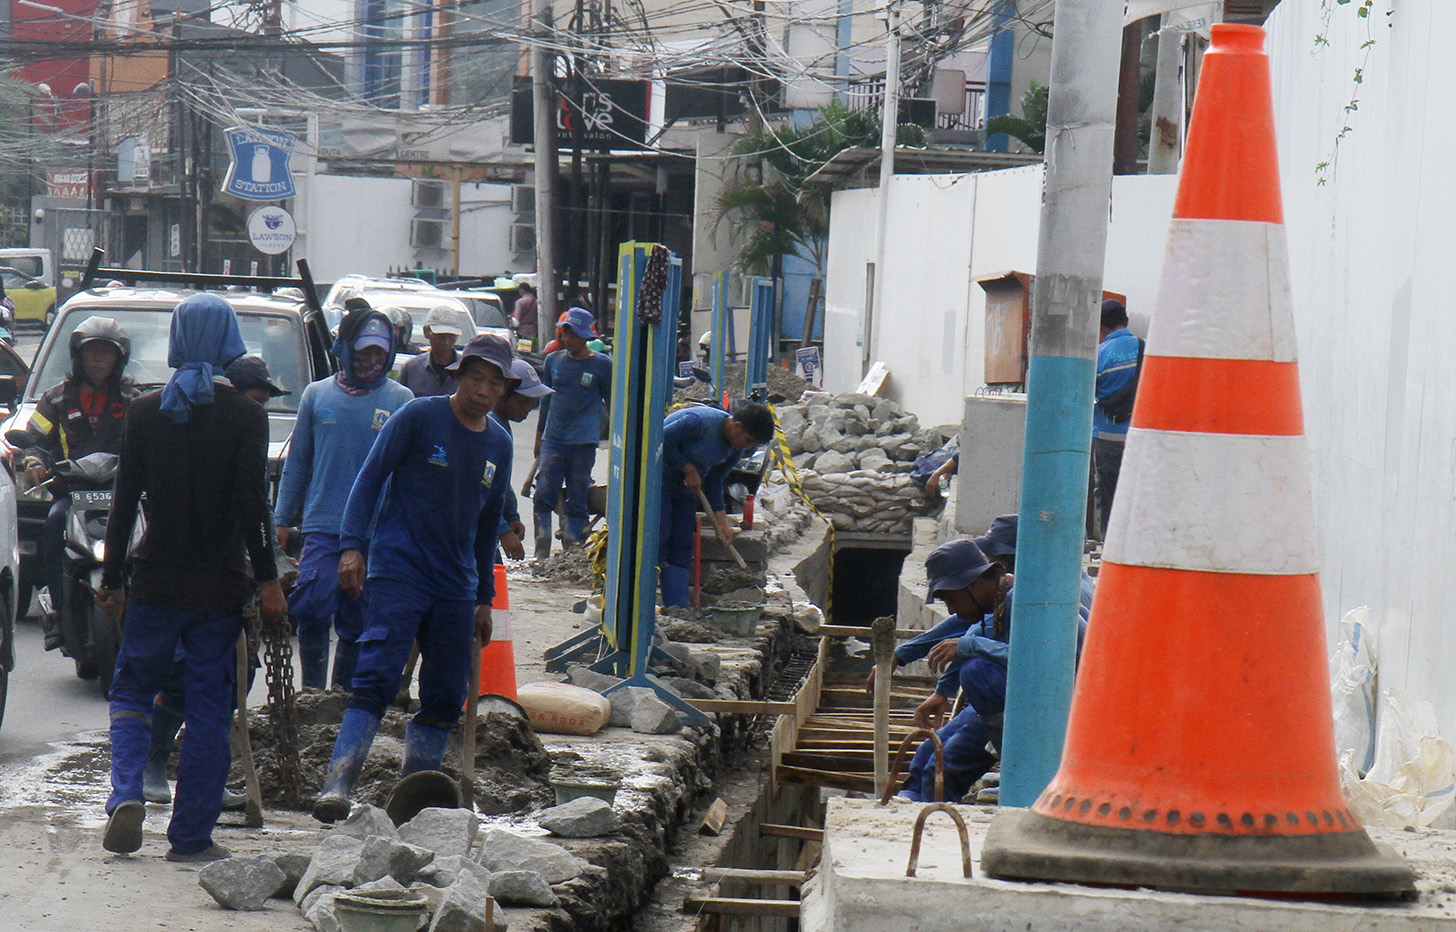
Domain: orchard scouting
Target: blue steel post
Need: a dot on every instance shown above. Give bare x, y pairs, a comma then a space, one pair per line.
760, 339
718, 349
1066, 300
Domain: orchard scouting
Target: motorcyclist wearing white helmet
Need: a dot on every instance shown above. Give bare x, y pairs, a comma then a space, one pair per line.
80, 416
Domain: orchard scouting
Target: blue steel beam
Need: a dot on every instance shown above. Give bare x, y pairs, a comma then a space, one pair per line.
760, 339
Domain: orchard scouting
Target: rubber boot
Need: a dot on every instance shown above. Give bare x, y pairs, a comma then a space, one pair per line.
676, 586
165, 723
356, 734
346, 658
313, 661
424, 747
543, 535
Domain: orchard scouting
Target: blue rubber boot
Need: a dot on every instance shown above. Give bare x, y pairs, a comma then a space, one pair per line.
165, 723
424, 747
356, 734
676, 586
346, 658
543, 534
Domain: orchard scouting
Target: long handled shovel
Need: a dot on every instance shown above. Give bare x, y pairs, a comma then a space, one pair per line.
467, 742
722, 538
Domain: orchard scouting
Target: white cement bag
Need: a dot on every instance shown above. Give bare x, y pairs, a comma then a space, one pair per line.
1352, 688
563, 709
1411, 781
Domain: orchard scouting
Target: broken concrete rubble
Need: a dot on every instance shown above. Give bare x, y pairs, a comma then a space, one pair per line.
507, 851
522, 888
446, 832
583, 817
463, 908
333, 864
242, 883
652, 716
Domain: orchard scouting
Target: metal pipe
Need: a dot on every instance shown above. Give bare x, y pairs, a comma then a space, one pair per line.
1065, 317
544, 101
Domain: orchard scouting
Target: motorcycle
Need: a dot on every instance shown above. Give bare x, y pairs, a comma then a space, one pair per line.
89, 636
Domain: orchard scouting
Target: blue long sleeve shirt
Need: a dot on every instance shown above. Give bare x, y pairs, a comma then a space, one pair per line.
583, 388
511, 510
1116, 365
441, 507
695, 435
331, 439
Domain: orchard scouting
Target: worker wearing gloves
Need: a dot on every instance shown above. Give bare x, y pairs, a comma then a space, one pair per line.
569, 427
198, 450
339, 417
699, 447
433, 488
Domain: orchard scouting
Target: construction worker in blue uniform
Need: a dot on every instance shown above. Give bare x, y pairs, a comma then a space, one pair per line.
569, 427
339, 417
1119, 360
515, 406
433, 488
198, 450
700, 445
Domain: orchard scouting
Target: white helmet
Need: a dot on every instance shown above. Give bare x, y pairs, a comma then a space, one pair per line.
706, 340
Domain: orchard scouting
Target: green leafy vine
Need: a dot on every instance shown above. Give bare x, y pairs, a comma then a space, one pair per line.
1364, 10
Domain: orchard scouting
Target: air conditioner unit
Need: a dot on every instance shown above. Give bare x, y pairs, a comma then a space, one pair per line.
523, 238
427, 234
523, 199
428, 194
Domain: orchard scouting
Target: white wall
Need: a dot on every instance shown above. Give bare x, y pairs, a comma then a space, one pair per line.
363, 225
1370, 253
947, 231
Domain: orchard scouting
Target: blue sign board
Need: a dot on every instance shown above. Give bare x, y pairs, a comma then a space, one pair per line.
259, 169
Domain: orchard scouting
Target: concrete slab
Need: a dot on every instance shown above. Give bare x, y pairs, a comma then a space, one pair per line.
861, 887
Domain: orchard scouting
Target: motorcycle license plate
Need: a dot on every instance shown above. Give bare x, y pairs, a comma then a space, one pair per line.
93, 498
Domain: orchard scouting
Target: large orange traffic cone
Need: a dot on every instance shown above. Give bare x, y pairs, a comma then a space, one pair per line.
1200, 751
498, 658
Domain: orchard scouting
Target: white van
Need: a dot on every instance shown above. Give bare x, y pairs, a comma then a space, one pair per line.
35, 263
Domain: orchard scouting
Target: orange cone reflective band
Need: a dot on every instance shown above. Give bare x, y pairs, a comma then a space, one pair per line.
498, 658
1200, 753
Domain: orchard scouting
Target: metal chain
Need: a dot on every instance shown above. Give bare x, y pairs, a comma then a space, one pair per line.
278, 660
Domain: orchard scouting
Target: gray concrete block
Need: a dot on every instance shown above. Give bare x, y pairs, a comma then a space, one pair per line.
443, 831
366, 821
505, 851
522, 888
652, 716
242, 883
583, 817
333, 863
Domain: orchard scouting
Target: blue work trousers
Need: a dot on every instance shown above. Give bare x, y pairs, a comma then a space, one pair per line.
964, 738
677, 526
317, 602
570, 464
149, 642
53, 550
398, 615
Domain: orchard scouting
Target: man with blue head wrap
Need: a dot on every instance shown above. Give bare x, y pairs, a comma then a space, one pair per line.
198, 450
338, 418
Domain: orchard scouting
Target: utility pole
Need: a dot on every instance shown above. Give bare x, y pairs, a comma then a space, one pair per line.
1065, 315
889, 123
1166, 142
545, 144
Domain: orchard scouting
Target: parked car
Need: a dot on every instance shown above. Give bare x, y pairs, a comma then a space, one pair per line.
411, 295
12, 365
34, 300
292, 339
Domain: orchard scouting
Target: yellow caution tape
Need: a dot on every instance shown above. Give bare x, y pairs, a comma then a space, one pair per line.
785, 461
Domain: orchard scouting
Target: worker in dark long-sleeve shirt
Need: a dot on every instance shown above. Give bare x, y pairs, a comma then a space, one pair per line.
437, 476
699, 447
198, 450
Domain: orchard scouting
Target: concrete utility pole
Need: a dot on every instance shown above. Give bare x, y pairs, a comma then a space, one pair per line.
1065, 316
545, 144
1166, 144
889, 123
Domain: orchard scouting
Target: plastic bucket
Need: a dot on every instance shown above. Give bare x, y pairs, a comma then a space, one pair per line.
383, 911
737, 618
567, 790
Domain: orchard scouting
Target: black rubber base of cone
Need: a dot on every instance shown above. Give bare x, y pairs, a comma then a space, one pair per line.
1023, 845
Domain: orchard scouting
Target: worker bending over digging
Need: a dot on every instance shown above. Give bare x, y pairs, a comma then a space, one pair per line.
431, 566
699, 447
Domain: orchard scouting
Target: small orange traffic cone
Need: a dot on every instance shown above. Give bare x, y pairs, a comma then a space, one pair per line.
498, 658
1200, 751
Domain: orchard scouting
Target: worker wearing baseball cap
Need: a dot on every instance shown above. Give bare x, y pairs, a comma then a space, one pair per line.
429, 373
515, 406
428, 502
569, 427
339, 417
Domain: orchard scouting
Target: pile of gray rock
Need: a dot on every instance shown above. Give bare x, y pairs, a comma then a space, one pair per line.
431, 860
854, 454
